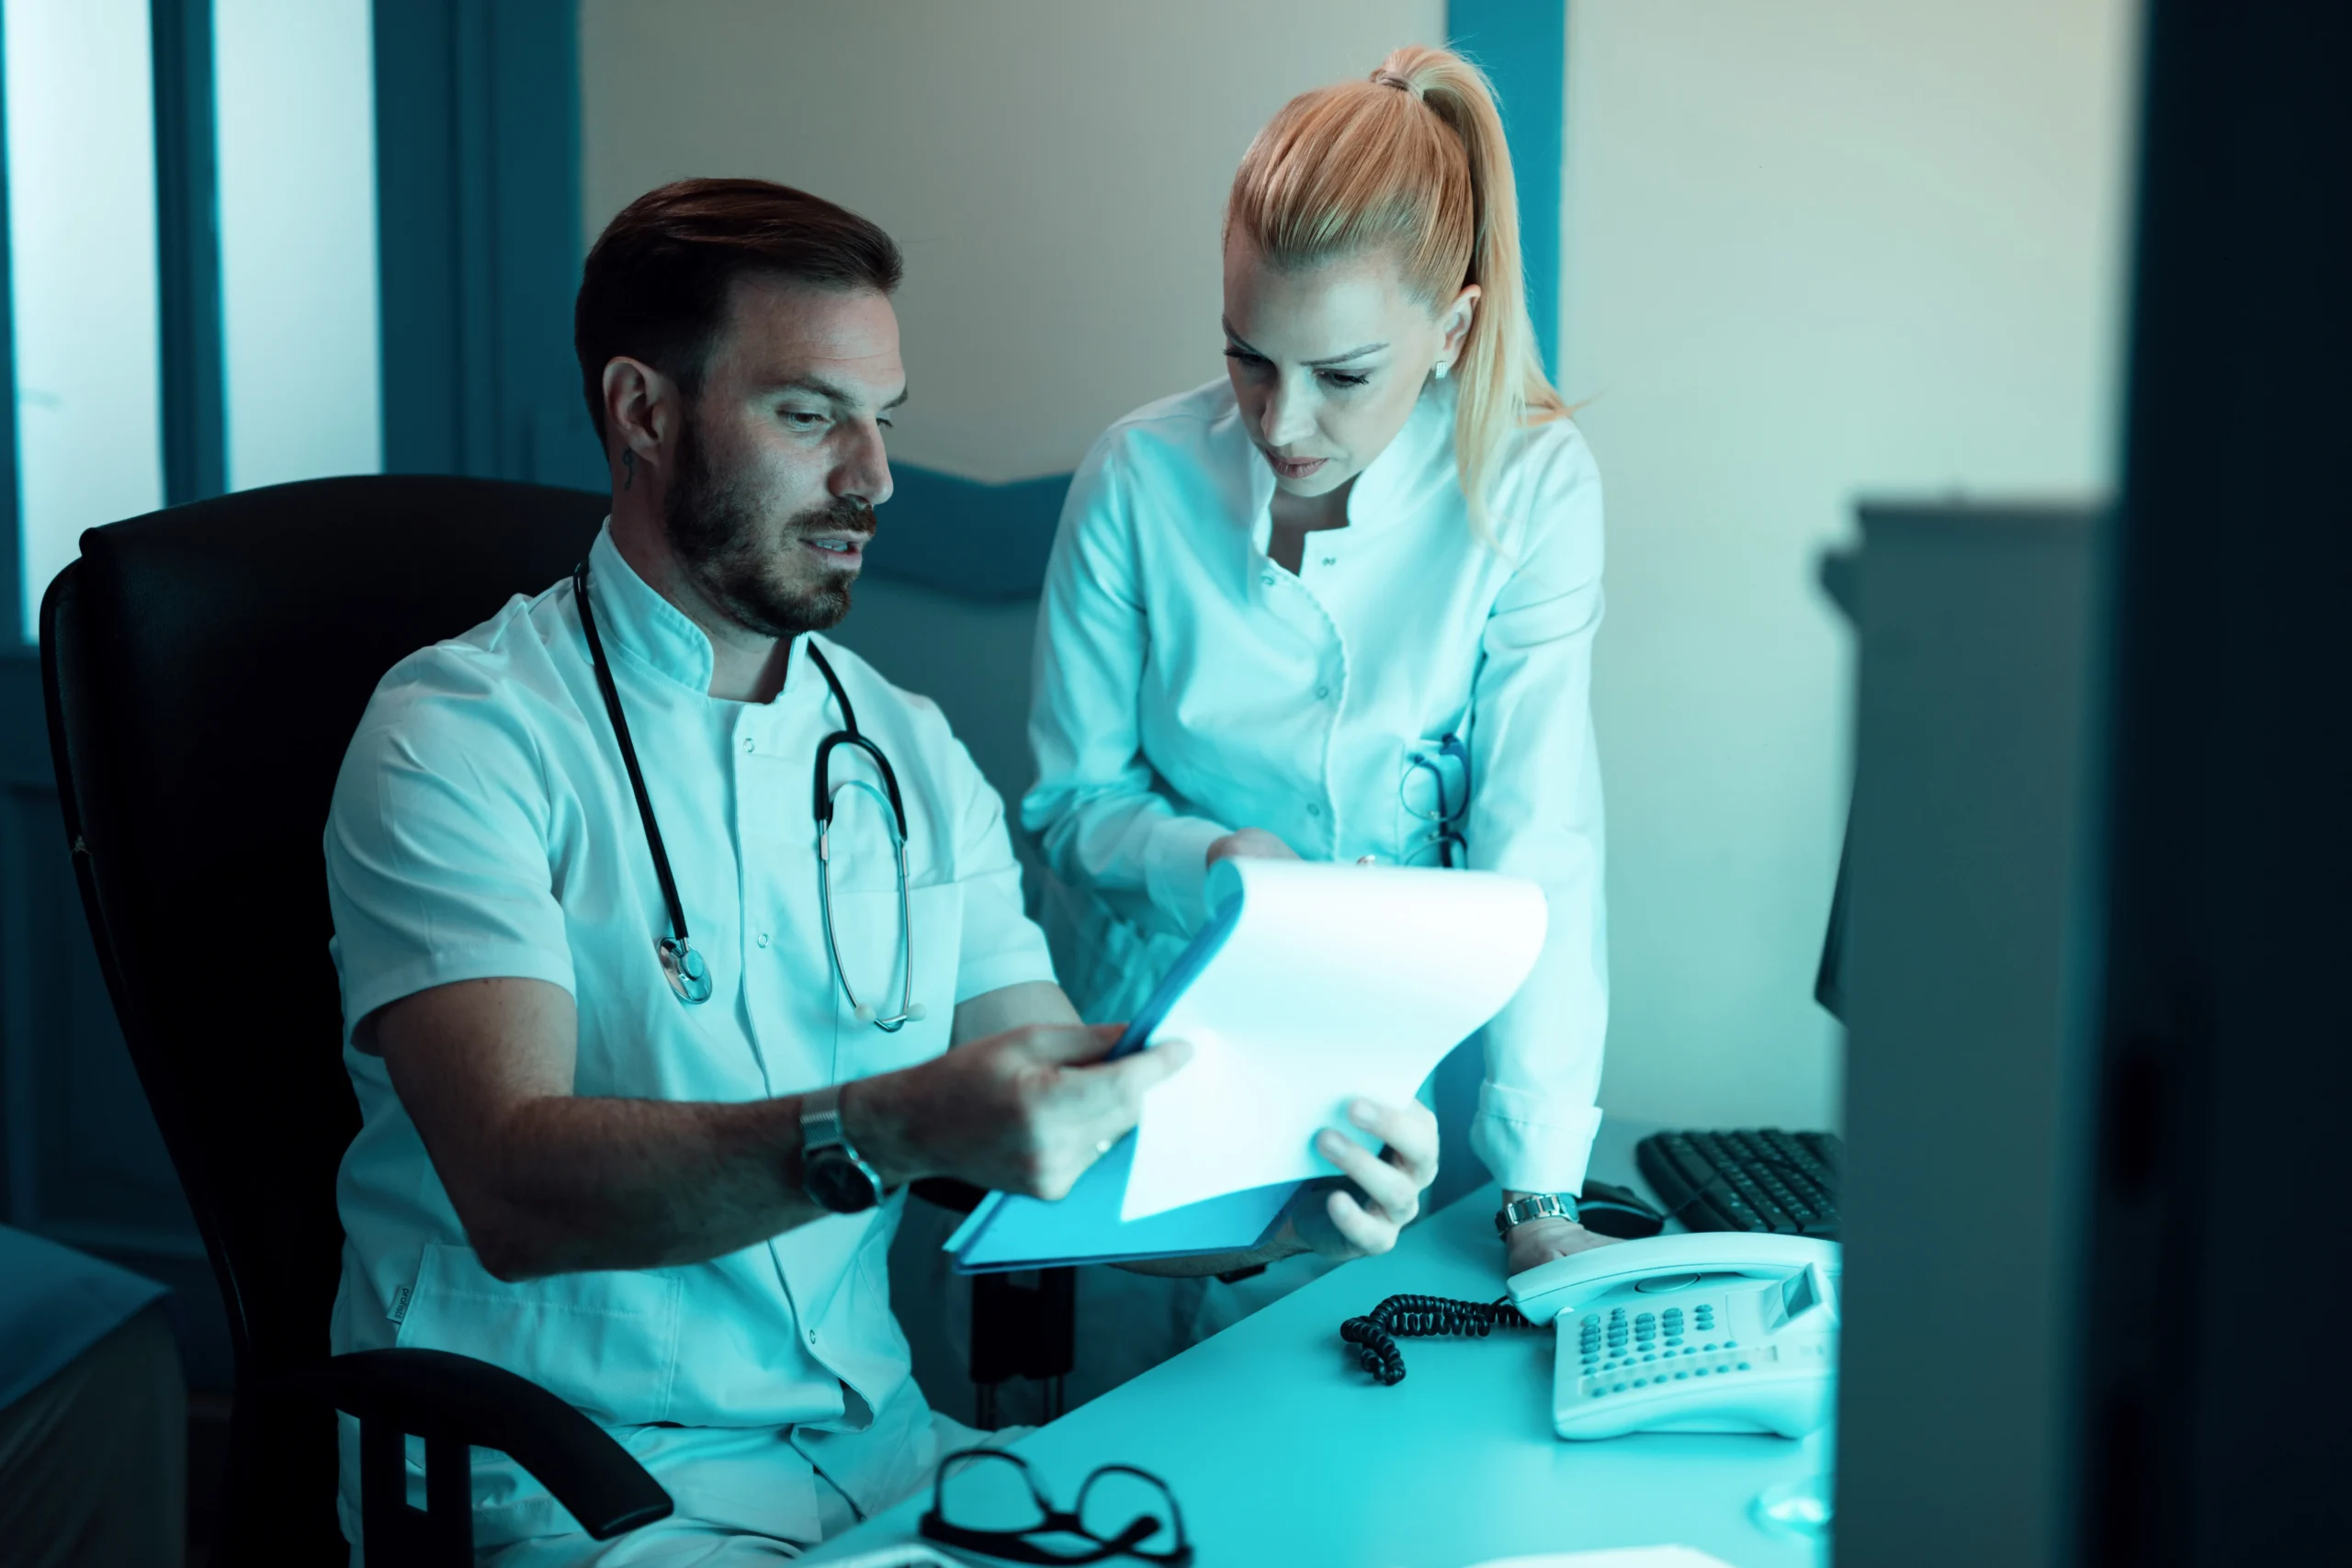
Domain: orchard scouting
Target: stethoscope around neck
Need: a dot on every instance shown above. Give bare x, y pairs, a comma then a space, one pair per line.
686, 970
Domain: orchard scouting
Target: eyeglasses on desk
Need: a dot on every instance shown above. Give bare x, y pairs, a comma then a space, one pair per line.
989, 1501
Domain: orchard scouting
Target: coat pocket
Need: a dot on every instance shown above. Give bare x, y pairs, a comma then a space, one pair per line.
604, 1342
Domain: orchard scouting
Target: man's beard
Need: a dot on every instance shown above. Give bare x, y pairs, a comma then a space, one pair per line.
715, 526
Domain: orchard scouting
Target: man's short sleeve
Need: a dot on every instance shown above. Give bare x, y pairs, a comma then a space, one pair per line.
437, 858
1001, 945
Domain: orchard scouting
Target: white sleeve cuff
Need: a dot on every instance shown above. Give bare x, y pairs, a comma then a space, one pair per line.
1530, 1146
448, 966
978, 977
1176, 868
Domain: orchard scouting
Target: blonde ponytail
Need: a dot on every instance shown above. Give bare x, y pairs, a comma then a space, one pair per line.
1413, 159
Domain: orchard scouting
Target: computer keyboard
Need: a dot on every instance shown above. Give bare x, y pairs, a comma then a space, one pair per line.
1785, 1183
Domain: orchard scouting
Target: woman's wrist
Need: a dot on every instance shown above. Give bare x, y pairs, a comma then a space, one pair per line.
1514, 1195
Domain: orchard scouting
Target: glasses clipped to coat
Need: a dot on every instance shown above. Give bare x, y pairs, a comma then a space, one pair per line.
1435, 792
988, 1501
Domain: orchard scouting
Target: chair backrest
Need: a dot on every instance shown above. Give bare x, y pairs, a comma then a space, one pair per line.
205, 668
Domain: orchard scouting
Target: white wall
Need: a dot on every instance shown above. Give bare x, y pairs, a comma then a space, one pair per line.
297, 114
82, 249
1812, 250
1055, 170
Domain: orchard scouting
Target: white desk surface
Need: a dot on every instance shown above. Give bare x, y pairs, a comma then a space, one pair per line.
1281, 1450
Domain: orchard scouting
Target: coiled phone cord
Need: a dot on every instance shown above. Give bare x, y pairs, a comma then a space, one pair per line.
1375, 1334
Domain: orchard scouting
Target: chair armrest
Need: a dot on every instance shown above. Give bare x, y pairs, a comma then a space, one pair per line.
435, 1395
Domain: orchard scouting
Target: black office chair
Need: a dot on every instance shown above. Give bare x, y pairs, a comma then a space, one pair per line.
205, 668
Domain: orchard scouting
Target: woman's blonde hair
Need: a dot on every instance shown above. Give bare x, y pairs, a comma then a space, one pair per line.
1411, 159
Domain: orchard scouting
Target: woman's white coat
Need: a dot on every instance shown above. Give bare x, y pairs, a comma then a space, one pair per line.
1185, 686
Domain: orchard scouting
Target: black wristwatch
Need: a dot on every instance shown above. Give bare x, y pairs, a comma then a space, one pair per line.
832, 1173
1535, 1206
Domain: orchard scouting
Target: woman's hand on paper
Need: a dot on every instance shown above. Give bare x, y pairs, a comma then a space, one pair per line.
1532, 1242
1249, 843
1359, 1214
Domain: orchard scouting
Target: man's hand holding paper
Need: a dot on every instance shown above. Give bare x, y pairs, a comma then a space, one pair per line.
1025, 1110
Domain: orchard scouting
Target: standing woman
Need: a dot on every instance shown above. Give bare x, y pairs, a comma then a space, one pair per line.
1341, 604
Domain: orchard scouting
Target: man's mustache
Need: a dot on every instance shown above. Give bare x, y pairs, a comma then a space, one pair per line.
842, 518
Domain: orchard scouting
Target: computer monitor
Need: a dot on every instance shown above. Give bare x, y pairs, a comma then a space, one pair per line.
2098, 1014
1828, 980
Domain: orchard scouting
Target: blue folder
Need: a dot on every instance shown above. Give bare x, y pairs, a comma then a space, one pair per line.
1008, 1231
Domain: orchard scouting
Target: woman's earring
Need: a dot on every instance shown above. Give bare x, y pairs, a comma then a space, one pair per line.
1442, 368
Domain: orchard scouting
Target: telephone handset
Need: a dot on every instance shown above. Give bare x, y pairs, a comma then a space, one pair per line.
1712, 1331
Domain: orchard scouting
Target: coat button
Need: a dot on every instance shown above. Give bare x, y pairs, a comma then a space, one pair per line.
1321, 693
1314, 810
763, 939
1268, 579
748, 746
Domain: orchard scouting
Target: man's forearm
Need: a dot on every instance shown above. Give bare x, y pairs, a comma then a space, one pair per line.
580, 1183
590, 1184
549, 1182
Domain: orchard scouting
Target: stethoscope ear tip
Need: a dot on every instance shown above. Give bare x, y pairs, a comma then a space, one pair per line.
864, 1012
916, 1012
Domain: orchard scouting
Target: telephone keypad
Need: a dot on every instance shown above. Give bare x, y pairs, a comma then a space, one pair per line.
1615, 1344
1596, 1387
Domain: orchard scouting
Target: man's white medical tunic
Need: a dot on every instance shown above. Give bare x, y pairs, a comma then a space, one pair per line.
1186, 686
483, 826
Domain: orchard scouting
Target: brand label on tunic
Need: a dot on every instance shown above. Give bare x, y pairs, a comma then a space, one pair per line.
399, 1309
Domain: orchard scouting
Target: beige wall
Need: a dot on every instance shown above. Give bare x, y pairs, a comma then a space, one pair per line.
1814, 249
1055, 169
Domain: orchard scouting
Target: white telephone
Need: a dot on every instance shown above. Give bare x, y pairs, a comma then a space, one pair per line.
1713, 1331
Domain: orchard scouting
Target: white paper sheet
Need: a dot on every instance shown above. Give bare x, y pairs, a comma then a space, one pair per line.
1337, 981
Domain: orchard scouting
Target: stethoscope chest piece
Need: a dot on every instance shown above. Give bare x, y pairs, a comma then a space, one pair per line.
687, 974
687, 971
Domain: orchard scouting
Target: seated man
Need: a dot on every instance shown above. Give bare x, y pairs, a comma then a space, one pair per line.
657, 916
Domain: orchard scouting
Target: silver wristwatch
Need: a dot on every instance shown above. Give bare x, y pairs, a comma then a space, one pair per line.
833, 1174
1535, 1206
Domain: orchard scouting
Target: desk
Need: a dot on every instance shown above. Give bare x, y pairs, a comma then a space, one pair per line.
1281, 1450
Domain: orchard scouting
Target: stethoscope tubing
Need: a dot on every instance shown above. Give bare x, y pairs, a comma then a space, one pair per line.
909, 1010
687, 972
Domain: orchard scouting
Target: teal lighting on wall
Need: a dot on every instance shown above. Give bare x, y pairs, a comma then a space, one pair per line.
12, 553
1523, 45
965, 537
187, 243
477, 192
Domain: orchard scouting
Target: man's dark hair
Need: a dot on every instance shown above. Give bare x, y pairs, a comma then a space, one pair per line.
656, 284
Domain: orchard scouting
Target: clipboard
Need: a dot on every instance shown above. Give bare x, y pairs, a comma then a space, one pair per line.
1007, 1230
